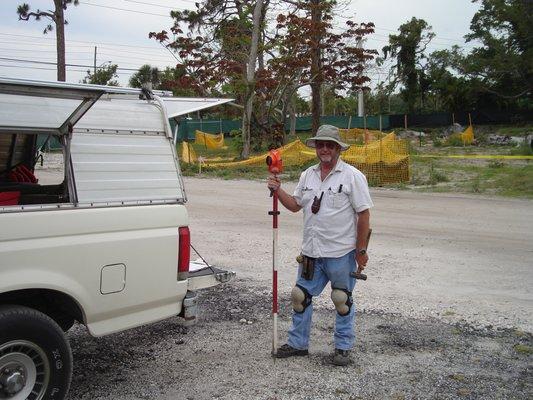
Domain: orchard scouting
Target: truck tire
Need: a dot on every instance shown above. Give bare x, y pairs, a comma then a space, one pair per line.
35, 356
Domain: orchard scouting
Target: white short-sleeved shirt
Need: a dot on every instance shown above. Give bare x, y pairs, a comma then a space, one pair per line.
332, 231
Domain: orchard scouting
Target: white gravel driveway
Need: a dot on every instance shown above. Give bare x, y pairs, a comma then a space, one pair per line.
450, 256
446, 312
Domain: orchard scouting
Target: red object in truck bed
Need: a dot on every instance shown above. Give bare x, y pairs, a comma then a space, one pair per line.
9, 198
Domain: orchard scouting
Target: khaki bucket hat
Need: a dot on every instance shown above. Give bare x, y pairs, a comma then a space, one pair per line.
327, 132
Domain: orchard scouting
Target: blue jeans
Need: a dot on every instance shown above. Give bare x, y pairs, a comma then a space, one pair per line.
337, 271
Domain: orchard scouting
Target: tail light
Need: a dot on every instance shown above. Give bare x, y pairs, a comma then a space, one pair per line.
184, 255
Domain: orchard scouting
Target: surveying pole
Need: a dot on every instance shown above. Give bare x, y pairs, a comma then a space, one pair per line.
275, 167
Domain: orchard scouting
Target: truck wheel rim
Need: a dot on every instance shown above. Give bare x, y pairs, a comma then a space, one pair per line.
24, 371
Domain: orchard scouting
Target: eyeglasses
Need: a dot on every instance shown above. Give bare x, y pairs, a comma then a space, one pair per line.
330, 145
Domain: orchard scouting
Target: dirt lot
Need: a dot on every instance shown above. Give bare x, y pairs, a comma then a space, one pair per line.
446, 312
455, 257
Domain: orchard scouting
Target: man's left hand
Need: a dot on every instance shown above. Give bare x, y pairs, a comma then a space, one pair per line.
361, 260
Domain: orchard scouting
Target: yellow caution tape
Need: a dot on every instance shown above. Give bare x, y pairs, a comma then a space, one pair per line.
474, 156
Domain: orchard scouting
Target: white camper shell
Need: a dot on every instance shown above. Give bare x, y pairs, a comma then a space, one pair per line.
107, 243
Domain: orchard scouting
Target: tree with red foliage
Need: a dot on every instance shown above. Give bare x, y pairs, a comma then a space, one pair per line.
311, 53
222, 56
302, 52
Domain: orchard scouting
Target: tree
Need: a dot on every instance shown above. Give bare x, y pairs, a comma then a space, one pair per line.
250, 76
224, 51
216, 53
503, 64
57, 16
146, 76
102, 76
451, 91
340, 62
170, 78
408, 49
317, 34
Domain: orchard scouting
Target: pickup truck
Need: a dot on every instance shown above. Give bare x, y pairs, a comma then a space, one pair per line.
107, 243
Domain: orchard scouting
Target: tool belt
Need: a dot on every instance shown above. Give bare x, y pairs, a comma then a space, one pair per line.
308, 266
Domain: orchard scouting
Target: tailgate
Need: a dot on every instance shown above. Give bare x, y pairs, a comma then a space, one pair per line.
202, 276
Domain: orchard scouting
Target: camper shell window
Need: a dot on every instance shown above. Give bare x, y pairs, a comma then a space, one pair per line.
24, 176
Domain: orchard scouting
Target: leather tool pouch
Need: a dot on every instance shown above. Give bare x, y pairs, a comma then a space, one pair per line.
308, 268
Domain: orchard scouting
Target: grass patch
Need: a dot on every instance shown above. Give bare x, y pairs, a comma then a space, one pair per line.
496, 164
520, 333
436, 176
511, 178
458, 377
523, 150
523, 349
512, 181
513, 130
464, 392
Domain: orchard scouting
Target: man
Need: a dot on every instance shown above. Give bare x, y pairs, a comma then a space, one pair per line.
335, 200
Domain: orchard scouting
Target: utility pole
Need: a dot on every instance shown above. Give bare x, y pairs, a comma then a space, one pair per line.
360, 103
94, 71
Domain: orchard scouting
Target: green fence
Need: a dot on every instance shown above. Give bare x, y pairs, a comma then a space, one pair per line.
187, 127
344, 122
52, 144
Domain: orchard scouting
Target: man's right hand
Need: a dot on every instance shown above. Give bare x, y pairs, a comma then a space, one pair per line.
273, 183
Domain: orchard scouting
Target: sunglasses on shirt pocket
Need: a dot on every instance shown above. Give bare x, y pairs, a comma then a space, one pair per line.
315, 207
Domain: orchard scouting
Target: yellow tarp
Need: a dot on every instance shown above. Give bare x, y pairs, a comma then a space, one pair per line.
209, 140
468, 135
188, 155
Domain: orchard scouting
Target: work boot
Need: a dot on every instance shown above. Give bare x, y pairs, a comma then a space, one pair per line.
289, 351
341, 357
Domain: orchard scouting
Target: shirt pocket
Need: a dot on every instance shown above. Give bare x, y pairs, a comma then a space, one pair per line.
338, 200
307, 196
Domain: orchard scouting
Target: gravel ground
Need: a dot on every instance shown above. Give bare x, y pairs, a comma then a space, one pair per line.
447, 311
224, 357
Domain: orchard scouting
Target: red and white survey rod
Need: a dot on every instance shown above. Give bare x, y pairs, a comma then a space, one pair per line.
275, 167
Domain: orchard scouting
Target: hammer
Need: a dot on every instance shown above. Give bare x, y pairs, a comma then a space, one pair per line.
358, 274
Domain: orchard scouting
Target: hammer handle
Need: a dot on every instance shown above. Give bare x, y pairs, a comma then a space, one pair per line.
358, 274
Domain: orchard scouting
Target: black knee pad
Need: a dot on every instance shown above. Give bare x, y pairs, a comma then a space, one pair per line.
300, 299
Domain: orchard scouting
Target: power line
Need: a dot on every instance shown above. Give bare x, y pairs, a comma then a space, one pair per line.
40, 68
432, 41
157, 5
437, 36
126, 10
42, 51
82, 41
55, 69
152, 4
53, 63
88, 48
107, 53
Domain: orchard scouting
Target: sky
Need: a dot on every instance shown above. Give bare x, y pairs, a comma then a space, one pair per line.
119, 31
